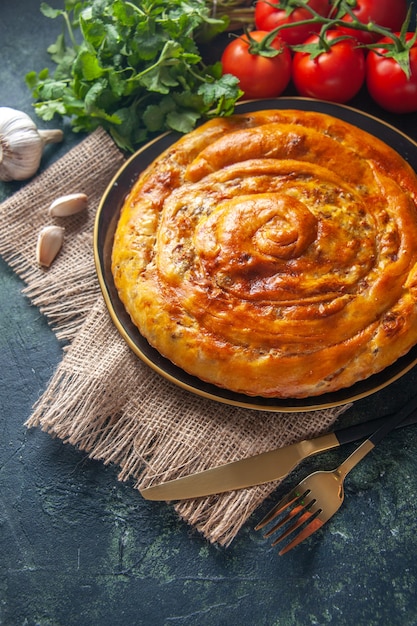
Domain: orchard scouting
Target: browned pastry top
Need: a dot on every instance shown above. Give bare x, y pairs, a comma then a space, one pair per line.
273, 254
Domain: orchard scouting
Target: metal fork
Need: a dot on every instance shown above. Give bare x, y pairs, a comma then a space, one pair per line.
319, 496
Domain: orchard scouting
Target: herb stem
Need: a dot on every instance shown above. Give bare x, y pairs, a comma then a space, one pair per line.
69, 29
135, 8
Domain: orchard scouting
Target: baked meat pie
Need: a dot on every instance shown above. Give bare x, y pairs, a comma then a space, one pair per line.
273, 254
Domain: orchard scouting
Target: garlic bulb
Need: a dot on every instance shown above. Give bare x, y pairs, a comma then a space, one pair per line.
21, 144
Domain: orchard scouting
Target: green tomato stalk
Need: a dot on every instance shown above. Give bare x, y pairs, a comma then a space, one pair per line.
398, 48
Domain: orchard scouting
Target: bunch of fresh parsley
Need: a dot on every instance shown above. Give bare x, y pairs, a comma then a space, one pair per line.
133, 67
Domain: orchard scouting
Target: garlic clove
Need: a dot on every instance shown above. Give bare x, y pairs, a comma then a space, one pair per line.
68, 205
50, 240
21, 144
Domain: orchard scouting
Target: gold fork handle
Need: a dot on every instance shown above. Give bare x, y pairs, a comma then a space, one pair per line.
356, 456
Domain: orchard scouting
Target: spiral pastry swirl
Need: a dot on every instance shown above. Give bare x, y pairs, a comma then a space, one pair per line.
273, 254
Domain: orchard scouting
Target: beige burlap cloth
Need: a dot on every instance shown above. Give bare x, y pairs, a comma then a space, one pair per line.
102, 398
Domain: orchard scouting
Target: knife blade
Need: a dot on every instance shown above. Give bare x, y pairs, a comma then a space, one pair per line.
264, 467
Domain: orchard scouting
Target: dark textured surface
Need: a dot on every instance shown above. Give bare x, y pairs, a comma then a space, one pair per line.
77, 548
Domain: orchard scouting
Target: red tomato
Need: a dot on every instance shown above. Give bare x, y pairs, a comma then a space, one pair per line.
269, 15
388, 84
259, 76
335, 75
388, 13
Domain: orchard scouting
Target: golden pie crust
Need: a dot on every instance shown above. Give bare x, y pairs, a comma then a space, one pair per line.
273, 254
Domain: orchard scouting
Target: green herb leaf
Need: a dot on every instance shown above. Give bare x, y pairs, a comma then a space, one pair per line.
48, 11
132, 67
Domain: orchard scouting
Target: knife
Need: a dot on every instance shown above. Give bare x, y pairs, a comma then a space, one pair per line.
264, 467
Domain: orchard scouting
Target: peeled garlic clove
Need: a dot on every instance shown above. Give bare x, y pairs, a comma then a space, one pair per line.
68, 205
50, 240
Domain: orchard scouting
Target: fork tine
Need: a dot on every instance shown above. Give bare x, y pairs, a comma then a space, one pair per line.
305, 515
300, 513
288, 500
308, 530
